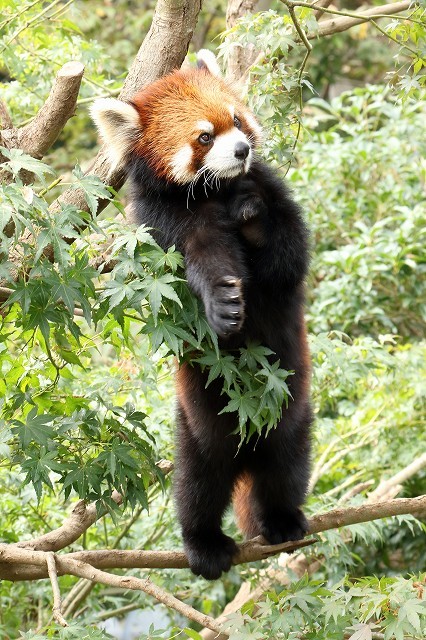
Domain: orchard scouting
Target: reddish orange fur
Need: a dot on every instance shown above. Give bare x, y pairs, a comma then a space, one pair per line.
170, 108
243, 508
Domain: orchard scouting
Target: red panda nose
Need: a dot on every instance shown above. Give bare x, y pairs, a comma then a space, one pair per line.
241, 150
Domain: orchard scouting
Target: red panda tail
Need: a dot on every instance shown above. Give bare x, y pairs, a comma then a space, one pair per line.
243, 510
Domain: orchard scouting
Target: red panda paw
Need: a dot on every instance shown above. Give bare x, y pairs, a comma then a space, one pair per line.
225, 307
210, 556
284, 527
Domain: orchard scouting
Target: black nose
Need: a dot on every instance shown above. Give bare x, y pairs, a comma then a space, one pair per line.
241, 150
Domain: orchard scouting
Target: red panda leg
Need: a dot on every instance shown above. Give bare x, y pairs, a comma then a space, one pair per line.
268, 498
203, 485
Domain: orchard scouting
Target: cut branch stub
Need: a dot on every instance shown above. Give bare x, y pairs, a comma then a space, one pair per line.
37, 137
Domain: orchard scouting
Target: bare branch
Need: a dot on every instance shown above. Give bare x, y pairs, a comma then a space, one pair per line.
57, 602
38, 136
70, 566
386, 488
346, 20
250, 551
367, 512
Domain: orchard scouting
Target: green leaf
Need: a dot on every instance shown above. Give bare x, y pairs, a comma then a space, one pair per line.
36, 429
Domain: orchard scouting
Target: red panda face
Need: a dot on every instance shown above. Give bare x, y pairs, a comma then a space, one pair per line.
185, 125
193, 124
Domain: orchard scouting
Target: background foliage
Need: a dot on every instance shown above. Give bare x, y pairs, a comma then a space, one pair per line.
86, 339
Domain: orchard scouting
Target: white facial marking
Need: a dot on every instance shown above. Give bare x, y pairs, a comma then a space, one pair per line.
205, 125
254, 126
231, 110
180, 165
119, 126
221, 159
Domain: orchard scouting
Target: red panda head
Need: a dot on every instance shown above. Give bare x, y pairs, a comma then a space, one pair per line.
186, 124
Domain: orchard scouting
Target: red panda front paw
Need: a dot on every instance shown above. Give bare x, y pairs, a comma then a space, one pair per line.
209, 556
225, 307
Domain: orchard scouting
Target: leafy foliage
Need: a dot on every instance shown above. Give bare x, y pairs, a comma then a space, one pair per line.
353, 609
94, 314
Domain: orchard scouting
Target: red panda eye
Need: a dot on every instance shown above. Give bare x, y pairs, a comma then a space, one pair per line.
237, 122
205, 138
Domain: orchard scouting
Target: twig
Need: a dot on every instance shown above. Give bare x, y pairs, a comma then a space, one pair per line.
398, 42
322, 5
29, 23
57, 602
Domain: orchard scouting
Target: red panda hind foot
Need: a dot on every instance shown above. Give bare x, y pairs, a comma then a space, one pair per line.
284, 527
210, 555
225, 306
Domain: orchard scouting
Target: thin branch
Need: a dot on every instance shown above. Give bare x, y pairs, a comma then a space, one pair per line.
29, 23
323, 4
70, 566
398, 42
375, 12
348, 19
57, 601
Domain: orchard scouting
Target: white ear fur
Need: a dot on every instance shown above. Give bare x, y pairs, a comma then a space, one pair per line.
206, 58
119, 126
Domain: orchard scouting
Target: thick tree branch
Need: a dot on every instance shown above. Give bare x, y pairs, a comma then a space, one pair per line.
14, 566
37, 137
5, 119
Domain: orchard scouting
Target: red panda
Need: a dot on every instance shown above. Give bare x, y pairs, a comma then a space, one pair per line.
189, 147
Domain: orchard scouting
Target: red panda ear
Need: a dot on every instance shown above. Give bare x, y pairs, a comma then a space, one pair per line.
119, 126
207, 60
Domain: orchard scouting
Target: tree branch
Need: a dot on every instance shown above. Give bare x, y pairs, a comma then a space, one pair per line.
81, 518
5, 119
37, 137
250, 551
348, 19
164, 48
57, 602
299, 564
